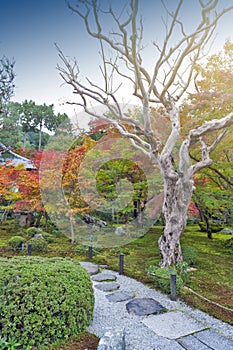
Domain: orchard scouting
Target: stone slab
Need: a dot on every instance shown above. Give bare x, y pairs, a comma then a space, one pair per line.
107, 286
192, 343
119, 296
214, 340
173, 324
144, 306
91, 268
104, 277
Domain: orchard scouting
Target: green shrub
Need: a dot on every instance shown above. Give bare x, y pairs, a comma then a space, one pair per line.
31, 231
229, 244
202, 226
189, 255
161, 279
15, 241
43, 300
48, 237
215, 227
182, 270
38, 244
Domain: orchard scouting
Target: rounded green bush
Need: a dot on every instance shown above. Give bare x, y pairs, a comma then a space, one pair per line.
229, 244
161, 279
189, 255
48, 237
15, 241
38, 244
31, 231
43, 300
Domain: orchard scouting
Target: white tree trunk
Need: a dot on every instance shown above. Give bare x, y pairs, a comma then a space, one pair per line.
177, 195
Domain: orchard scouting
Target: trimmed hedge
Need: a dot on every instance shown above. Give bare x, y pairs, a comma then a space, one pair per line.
31, 231
44, 300
38, 244
15, 241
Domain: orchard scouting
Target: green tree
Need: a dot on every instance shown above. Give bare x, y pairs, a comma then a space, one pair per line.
11, 130
35, 118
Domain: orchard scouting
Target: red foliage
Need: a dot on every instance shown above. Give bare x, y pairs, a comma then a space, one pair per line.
193, 211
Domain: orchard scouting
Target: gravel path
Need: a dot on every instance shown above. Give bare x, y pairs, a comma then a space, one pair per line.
140, 337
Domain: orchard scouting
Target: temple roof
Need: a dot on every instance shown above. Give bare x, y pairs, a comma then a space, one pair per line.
6, 155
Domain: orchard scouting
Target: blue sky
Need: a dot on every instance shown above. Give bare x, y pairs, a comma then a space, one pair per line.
29, 29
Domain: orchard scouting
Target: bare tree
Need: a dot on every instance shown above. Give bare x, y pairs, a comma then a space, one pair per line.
165, 85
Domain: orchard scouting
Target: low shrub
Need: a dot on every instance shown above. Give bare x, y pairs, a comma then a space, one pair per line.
215, 227
182, 270
15, 241
48, 237
32, 231
229, 244
161, 279
43, 300
38, 244
189, 255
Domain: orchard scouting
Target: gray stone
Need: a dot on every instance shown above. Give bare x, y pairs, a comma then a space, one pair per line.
120, 231
38, 235
91, 268
192, 343
214, 340
107, 286
112, 340
227, 231
104, 277
103, 266
119, 296
144, 306
23, 220
173, 324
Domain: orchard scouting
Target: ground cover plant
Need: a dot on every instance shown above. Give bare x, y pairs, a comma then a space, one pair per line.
43, 300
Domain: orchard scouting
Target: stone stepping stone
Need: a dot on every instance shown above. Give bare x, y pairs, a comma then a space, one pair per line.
190, 342
91, 268
144, 306
214, 340
107, 286
120, 296
104, 277
173, 324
